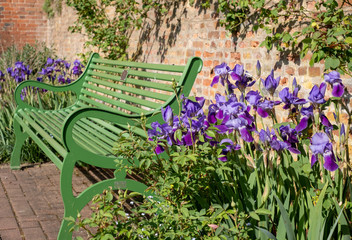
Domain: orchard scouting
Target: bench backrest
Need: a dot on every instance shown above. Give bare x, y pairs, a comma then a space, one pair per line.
135, 88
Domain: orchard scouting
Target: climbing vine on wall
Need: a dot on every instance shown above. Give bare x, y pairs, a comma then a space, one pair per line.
321, 27
110, 23
50, 7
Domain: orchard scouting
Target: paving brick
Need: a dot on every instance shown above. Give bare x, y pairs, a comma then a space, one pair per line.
6, 210
11, 234
35, 233
8, 223
50, 227
29, 224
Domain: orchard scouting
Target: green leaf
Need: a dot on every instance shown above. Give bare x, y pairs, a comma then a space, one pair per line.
266, 232
332, 63
287, 37
175, 167
335, 224
107, 237
210, 133
178, 134
348, 40
254, 216
290, 233
263, 211
315, 219
330, 40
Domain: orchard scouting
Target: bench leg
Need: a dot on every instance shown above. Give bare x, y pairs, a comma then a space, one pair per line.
20, 139
73, 205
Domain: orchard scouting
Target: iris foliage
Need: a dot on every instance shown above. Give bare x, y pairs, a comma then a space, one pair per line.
31, 63
233, 171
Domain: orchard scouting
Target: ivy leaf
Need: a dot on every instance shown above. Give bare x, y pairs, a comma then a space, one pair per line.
287, 37
332, 63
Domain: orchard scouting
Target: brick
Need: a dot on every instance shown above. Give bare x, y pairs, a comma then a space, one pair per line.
314, 71
302, 71
197, 44
236, 55
189, 53
198, 53
208, 54
242, 44
34, 233
214, 35
228, 43
11, 234
247, 55
254, 44
283, 81
208, 63
223, 35
290, 71
8, 223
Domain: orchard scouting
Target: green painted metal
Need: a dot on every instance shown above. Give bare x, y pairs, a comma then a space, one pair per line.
87, 130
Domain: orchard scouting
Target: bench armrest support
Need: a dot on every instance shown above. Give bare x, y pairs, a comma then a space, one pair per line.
113, 117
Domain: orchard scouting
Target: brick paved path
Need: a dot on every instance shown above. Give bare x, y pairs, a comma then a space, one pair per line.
31, 207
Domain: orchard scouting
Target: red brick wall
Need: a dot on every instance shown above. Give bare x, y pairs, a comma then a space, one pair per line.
21, 22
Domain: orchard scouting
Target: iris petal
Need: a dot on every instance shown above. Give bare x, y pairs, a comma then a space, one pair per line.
338, 89
303, 124
330, 161
215, 80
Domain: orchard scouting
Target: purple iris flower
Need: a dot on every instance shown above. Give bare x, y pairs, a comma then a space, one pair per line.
321, 145
307, 114
77, 67
167, 114
316, 95
221, 72
258, 68
342, 130
191, 108
288, 134
2, 75
333, 78
61, 79
270, 83
49, 62
229, 147
290, 98
265, 107
328, 127
242, 81
67, 65
253, 97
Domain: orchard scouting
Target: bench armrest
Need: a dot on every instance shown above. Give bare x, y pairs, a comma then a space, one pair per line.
113, 117
18, 91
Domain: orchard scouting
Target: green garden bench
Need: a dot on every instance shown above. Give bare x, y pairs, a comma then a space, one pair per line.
111, 95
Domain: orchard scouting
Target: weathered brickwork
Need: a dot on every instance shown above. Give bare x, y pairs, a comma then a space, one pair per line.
21, 22
184, 32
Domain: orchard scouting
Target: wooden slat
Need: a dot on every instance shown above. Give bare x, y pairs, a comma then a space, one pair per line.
150, 75
118, 95
137, 91
142, 83
161, 67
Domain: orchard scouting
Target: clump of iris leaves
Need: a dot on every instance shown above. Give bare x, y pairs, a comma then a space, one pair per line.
233, 171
